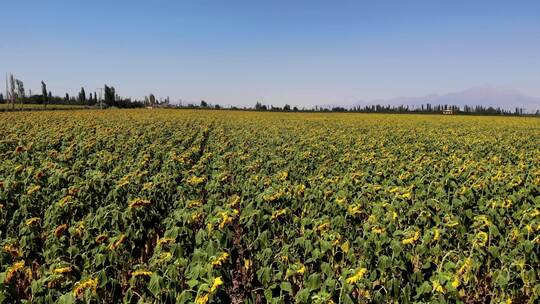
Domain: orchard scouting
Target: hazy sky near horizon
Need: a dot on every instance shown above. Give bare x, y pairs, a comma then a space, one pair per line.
296, 52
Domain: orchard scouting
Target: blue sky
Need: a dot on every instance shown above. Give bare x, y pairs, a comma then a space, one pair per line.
295, 52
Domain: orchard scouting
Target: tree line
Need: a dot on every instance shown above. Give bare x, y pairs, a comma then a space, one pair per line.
377, 108
426, 108
17, 95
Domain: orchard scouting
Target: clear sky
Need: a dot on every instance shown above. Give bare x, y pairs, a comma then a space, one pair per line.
295, 52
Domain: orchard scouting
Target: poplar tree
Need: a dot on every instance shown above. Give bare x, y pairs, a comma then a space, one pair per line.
44, 93
82, 96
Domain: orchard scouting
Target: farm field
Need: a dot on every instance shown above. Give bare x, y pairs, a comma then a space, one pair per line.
6, 107
184, 206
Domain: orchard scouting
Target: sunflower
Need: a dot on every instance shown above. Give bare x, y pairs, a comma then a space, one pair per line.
357, 276
80, 287
140, 273
220, 259
412, 239
60, 230
139, 202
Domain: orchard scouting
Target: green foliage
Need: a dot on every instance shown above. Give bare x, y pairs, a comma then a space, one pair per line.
180, 206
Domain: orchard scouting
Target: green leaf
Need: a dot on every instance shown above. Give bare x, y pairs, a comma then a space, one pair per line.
424, 288
68, 298
302, 296
192, 283
286, 286
184, 297
314, 281
155, 284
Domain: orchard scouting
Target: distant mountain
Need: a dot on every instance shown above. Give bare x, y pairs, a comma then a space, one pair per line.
486, 95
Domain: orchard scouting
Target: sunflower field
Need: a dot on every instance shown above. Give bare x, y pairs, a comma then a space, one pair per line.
202, 206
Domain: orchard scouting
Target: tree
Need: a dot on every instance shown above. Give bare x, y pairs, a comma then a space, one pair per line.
44, 93
110, 96
20, 91
287, 108
260, 107
66, 98
82, 96
152, 100
203, 104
